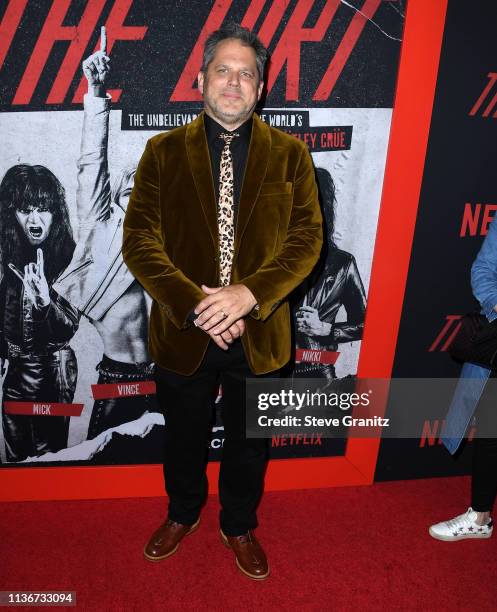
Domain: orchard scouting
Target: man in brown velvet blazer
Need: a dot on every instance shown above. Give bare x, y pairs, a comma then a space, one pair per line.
222, 224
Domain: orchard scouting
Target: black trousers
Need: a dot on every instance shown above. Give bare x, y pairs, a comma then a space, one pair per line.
38, 378
187, 403
484, 472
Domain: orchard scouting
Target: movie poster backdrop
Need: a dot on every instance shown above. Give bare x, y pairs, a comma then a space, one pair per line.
76, 378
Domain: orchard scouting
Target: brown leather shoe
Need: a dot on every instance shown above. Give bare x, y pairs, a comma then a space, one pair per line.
165, 541
250, 557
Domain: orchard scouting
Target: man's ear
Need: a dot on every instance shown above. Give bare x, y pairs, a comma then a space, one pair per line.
259, 90
200, 81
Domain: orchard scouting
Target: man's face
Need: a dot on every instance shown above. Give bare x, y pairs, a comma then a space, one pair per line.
231, 85
35, 223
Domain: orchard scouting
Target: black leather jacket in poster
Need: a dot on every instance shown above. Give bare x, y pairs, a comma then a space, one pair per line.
336, 284
34, 331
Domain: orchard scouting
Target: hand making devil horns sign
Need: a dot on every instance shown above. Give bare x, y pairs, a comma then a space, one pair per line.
34, 281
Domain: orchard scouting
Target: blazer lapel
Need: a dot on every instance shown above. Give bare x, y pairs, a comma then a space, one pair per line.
199, 159
255, 172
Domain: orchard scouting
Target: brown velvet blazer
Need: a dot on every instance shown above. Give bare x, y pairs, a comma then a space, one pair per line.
171, 240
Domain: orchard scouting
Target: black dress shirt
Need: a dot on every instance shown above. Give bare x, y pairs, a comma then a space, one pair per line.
239, 151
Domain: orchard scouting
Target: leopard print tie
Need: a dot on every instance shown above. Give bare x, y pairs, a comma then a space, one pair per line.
225, 212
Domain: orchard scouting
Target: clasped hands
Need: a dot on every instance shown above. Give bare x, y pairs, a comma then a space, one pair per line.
221, 312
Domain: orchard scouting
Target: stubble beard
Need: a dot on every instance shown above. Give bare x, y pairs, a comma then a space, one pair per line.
230, 118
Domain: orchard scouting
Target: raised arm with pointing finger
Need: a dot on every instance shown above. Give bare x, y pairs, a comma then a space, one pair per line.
97, 281
97, 277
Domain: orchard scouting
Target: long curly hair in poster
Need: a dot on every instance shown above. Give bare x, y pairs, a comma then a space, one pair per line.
25, 186
327, 200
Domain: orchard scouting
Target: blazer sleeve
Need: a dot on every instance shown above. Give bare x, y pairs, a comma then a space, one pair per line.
484, 274
299, 253
144, 250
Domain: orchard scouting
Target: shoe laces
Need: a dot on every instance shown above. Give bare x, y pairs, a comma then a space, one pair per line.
174, 524
245, 538
463, 520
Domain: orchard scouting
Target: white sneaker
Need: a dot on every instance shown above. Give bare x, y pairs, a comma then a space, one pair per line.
461, 527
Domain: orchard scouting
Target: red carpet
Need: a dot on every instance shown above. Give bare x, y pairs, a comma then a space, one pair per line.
329, 549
